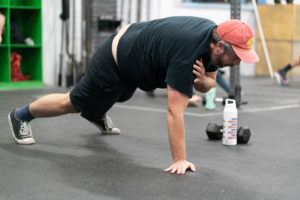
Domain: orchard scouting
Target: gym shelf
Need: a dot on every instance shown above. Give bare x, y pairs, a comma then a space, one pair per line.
24, 8
25, 3
4, 3
24, 46
5, 65
21, 84
29, 18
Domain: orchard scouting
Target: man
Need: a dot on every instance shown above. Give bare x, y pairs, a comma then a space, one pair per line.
280, 75
148, 55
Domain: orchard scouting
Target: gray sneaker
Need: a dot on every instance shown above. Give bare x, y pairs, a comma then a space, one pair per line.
106, 126
21, 130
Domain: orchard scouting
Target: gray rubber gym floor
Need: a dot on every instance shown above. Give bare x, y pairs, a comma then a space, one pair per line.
71, 160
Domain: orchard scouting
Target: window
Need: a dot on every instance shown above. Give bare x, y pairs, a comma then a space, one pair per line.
207, 1
213, 1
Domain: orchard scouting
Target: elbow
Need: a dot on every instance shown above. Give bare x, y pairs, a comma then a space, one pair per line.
206, 89
173, 114
203, 89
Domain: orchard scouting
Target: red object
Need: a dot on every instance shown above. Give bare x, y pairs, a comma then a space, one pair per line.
241, 37
15, 71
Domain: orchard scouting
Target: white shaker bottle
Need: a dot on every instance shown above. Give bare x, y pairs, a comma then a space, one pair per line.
230, 125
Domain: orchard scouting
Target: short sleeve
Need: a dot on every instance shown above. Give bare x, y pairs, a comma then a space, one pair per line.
180, 77
211, 68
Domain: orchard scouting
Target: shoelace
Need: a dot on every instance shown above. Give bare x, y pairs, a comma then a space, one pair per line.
25, 128
108, 123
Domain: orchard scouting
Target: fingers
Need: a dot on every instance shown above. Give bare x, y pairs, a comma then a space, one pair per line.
198, 72
198, 68
174, 169
192, 167
180, 167
200, 63
180, 171
168, 169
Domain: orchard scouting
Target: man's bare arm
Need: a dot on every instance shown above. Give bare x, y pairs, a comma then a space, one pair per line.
177, 103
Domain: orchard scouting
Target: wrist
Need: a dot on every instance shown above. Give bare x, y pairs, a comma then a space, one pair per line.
179, 159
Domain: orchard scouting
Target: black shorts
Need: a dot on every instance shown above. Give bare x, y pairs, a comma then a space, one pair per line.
101, 86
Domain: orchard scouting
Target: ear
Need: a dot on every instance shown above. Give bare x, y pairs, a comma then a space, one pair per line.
220, 47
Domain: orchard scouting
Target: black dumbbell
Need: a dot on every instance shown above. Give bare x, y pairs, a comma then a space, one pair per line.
216, 100
215, 132
243, 135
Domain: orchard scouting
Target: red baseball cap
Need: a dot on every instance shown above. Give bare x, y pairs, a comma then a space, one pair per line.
241, 37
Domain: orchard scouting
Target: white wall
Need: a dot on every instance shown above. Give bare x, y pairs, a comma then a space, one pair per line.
51, 39
52, 25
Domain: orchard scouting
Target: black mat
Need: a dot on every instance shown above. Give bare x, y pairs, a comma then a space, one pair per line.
71, 160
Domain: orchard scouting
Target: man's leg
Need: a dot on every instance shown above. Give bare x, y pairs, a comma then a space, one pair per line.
280, 75
193, 102
47, 106
52, 105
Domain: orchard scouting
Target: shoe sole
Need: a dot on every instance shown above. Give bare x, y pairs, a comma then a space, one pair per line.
112, 132
103, 132
25, 141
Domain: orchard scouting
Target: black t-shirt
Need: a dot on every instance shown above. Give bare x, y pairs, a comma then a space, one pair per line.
160, 52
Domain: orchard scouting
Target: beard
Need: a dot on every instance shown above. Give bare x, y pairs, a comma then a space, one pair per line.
216, 60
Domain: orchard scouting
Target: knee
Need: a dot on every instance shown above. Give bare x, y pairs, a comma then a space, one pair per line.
67, 105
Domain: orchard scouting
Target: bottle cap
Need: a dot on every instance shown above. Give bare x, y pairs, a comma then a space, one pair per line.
230, 103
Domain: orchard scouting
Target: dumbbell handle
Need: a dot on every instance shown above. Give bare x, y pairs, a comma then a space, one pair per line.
219, 99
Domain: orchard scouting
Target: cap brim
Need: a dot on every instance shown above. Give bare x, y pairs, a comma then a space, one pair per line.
248, 56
